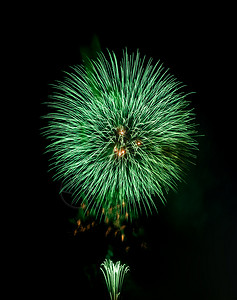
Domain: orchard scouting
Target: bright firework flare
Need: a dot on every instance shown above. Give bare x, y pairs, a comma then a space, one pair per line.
120, 133
114, 276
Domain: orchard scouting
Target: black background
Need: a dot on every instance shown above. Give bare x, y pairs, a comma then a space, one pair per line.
192, 242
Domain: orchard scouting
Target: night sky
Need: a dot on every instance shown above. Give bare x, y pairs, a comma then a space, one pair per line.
188, 250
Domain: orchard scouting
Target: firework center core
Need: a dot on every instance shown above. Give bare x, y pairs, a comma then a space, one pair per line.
124, 143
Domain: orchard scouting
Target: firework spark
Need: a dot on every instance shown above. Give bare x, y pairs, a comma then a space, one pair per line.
114, 276
120, 133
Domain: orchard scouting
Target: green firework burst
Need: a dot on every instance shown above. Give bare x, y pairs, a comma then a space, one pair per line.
120, 133
114, 276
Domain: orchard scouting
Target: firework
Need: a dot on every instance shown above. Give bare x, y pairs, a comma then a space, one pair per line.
120, 133
114, 276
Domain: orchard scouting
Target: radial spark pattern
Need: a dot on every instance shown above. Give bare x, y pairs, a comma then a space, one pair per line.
120, 133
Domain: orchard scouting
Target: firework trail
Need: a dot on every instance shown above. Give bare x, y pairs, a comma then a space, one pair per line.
114, 276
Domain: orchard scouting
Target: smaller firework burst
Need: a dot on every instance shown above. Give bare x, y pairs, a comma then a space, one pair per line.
114, 276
